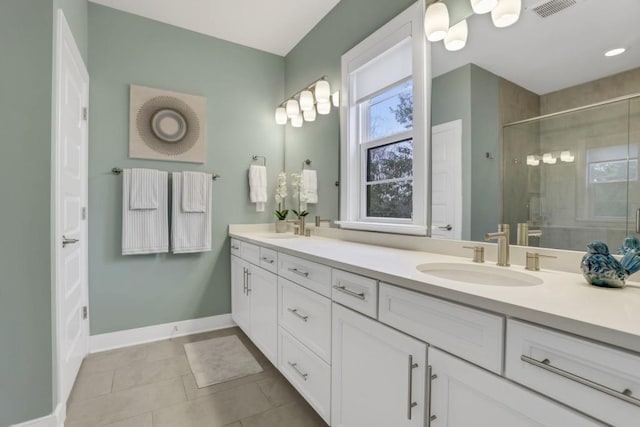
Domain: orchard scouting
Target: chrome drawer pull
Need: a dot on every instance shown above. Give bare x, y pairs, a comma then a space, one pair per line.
235, 248
546, 364
410, 403
343, 289
298, 272
270, 261
298, 371
295, 312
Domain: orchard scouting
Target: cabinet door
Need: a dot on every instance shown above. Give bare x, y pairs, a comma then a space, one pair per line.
464, 395
240, 302
378, 374
263, 289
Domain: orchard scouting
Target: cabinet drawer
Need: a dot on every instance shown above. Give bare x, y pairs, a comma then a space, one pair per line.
236, 247
590, 377
356, 292
468, 333
250, 252
307, 316
306, 372
309, 274
269, 260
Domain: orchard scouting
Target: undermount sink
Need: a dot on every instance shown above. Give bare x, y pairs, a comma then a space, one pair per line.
478, 274
277, 235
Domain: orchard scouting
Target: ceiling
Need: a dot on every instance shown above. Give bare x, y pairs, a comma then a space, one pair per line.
274, 26
548, 54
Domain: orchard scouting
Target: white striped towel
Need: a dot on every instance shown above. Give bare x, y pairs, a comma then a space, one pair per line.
190, 231
258, 186
145, 231
144, 189
195, 187
310, 185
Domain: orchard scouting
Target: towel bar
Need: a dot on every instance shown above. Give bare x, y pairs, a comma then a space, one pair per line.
118, 171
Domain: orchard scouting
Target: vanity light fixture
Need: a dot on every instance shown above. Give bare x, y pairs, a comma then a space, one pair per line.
315, 98
436, 21
533, 160
483, 6
567, 157
506, 13
456, 37
549, 159
615, 52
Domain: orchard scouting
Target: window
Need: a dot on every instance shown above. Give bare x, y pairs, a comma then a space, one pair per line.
383, 148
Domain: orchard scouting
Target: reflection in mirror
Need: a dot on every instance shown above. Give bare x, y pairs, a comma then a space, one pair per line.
542, 65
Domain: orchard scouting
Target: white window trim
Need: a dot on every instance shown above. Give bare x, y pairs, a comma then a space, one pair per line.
409, 22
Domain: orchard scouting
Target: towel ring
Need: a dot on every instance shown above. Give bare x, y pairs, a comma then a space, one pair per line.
306, 163
264, 159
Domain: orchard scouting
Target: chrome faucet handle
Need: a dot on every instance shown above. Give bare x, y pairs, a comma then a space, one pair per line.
533, 260
320, 221
478, 253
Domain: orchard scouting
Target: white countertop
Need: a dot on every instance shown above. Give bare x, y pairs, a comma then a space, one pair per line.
564, 301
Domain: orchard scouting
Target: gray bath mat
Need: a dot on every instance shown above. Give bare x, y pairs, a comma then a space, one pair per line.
220, 359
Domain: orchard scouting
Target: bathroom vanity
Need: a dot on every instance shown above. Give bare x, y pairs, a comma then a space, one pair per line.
377, 336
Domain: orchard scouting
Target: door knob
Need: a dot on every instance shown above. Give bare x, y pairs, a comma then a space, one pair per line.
447, 227
66, 241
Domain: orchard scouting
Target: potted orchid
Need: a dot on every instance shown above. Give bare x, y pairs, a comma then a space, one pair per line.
281, 195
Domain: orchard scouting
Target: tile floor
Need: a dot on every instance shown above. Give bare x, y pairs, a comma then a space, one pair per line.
151, 385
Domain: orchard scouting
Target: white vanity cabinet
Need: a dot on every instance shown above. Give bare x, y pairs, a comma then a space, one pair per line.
254, 300
378, 374
464, 395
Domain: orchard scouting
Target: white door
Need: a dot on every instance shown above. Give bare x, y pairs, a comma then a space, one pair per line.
377, 374
264, 312
446, 181
240, 298
71, 141
463, 395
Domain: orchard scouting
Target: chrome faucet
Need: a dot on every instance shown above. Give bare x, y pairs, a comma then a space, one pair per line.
320, 221
502, 236
301, 226
524, 233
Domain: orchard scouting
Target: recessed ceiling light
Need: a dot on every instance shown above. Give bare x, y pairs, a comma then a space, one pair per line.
614, 52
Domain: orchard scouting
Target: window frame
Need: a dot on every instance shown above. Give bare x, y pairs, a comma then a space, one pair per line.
353, 161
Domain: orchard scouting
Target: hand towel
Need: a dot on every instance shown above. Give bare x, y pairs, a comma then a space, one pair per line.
190, 231
310, 185
195, 187
258, 186
144, 189
145, 231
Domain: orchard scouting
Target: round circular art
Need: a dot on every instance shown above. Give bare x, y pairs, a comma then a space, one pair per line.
167, 125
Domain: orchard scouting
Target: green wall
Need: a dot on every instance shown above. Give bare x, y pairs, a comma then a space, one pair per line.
319, 53
242, 87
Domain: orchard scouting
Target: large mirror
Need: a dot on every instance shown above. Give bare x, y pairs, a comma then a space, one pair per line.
570, 177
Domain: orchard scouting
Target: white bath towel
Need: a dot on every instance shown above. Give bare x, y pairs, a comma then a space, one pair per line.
258, 186
190, 231
195, 189
145, 231
310, 185
144, 189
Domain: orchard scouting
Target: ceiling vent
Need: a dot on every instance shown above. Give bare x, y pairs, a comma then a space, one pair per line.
544, 9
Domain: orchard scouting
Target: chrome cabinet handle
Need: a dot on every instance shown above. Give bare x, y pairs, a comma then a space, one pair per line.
430, 377
235, 248
410, 403
248, 278
66, 241
298, 272
546, 364
298, 371
296, 313
447, 227
244, 280
270, 261
343, 289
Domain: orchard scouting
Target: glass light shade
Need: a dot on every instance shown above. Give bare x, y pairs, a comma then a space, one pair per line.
296, 121
335, 98
457, 36
436, 22
281, 116
483, 6
549, 159
293, 109
567, 157
306, 100
324, 107
506, 13
615, 52
309, 115
533, 160
323, 91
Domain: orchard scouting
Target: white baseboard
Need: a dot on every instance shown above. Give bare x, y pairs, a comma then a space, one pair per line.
55, 419
147, 334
